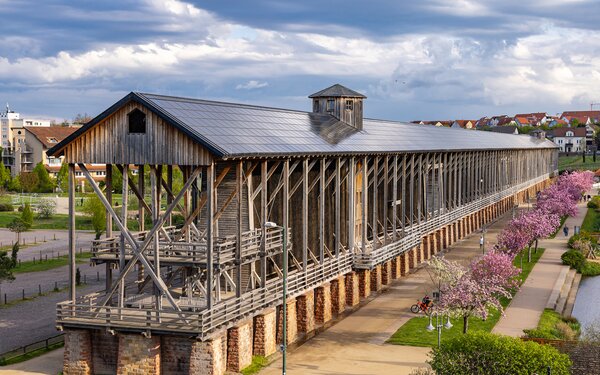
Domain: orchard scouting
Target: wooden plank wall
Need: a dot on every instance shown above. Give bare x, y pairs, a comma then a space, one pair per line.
109, 142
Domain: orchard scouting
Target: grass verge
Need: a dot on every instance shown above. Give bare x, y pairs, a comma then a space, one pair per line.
591, 221
49, 264
554, 327
413, 332
30, 355
258, 362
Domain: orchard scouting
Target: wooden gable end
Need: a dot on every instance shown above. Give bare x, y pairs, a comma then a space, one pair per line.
109, 142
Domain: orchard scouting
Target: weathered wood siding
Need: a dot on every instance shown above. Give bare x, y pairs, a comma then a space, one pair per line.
109, 142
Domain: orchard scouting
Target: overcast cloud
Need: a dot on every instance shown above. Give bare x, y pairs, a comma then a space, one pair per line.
433, 59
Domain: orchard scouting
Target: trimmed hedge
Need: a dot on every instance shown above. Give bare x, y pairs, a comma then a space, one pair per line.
481, 353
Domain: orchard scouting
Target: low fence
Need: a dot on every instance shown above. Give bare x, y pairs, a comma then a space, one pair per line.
47, 344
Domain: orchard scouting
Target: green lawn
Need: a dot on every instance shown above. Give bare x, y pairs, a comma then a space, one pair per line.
58, 221
591, 222
413, 332
45, 265
576, 163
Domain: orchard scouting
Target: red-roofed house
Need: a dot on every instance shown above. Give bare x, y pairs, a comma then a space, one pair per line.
464, 124
533, 119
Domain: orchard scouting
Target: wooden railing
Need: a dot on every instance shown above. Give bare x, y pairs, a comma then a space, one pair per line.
224, 253
413, 234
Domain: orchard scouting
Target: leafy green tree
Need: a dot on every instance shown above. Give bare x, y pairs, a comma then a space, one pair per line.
117, 180
45, 183
27, 215
8, 263
14, 184
94, 208
28, 181
17, 226
62, 179
4, 175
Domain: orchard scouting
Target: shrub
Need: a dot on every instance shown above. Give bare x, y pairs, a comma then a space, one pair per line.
592, 204
573, 259
565, 332
590, 269
540, 333
480, 353
4, 207
46, 208
582, 236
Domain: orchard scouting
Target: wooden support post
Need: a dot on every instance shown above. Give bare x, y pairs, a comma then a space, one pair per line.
364, 198
72, 249
238, 247
322, 211
395, 200
263, 216
210, 208
170, 186
374, 227
142, 191
108, 194
351, 204
305, 170
337, 214
385, 203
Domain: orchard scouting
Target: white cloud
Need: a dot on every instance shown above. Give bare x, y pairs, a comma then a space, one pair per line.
251, 85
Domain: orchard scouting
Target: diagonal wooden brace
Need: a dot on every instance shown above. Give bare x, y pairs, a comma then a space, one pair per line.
137, 248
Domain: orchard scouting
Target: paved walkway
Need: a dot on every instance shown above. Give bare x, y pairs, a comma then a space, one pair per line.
356, 345
526, 308
49, 363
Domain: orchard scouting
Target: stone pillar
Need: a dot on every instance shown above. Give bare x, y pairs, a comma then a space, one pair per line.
138, 354
265, 329
386, 273
412, 258
405, 263
305, 309
364, 283
292, 328
432, 244
105, 351
419, 252
396, 267
376, 278
208, 357
338, 295
77, 357
352, 289
323, 303
438, 240
239, 346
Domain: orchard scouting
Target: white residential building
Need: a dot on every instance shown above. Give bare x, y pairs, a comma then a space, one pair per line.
570, 139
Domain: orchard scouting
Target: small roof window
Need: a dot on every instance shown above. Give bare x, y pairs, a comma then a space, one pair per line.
136, 120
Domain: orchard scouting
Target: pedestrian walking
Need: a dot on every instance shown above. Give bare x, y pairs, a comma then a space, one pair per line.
481, 244
589, 197
566, 230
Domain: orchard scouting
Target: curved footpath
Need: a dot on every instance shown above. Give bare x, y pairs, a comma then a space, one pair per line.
526, 308
356, 345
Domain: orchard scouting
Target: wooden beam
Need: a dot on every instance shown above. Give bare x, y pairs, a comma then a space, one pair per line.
210, 192
263, 219
351, 204
108, 193
322, 211
305, 172
72, 249
364, 198
337, 213
240, 217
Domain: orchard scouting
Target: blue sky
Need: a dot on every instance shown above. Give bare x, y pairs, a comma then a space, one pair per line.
430, 59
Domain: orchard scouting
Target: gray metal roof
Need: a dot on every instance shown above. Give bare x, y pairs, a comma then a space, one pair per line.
337, 90
236, 130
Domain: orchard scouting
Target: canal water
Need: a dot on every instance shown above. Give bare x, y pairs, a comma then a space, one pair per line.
587, 303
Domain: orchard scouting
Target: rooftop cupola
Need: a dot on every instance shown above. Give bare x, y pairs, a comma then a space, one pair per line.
340, 102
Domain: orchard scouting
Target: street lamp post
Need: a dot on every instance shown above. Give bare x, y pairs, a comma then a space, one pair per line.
270, 224
439, 324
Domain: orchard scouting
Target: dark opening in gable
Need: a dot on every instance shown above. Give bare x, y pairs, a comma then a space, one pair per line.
136, 120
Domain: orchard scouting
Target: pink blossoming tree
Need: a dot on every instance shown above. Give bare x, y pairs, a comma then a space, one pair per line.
479, 287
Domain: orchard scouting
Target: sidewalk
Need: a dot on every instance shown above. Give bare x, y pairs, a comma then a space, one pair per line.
530, 301
356, 345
